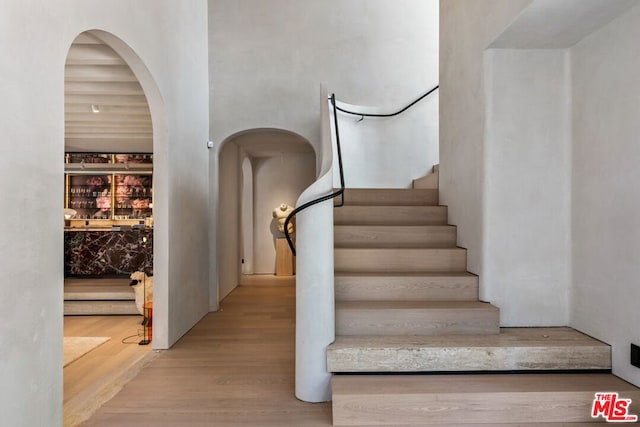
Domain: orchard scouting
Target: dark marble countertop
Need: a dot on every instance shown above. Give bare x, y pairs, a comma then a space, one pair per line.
66, 229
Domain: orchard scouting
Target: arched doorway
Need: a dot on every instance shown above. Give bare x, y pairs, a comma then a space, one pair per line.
114, 124
258, 170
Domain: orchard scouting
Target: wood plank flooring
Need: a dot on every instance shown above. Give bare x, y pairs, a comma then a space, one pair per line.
97, 376
235, 368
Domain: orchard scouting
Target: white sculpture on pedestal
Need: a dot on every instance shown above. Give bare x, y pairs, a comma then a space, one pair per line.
281, 213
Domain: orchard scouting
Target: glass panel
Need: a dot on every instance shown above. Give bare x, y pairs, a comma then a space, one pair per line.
133, 196
134, 158
89, 158
90, 196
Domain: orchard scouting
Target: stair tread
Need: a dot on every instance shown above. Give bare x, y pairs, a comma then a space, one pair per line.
477, 383
79, 289
398, 226
405, 305
400, 259
362, 235
100, 307
391, 214
508, 337
403, 274
405, 250
390, 196
99, 293
388, 286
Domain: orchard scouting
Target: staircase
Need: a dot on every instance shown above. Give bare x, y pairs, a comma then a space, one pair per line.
410, 324
99, 297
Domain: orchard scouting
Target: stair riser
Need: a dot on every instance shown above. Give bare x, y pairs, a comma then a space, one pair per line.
390, 215
400, 260
430, 181
394, 236
463, 408
406, 288
98, 296
391, 197
99, 308
366, 400
451, 321
456, 359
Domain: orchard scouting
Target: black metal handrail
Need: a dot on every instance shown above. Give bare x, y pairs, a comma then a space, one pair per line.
340, 192
402, 110
333, 195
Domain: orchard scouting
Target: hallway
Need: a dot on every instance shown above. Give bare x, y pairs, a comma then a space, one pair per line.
234, 368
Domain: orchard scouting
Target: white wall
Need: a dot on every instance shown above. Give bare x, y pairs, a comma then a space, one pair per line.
606, 195
268, 59
466, 30
170, 38
505, 161
522, 136
388, 152
276, 180
246, 215
228, 242
526, 262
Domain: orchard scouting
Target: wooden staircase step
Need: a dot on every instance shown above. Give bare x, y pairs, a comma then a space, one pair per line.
98, 289
461, 286
428, 181
416, 318
390, 215
368, 400
390, 236
514, 349
390, 196
404, 260
99, 308
100, 293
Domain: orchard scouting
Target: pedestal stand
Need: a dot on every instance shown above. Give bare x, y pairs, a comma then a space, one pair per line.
285, 265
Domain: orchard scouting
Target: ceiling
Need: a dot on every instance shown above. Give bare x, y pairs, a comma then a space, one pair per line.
105, 107
553, 24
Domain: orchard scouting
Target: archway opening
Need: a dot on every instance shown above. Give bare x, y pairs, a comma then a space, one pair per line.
259, 171
110, 139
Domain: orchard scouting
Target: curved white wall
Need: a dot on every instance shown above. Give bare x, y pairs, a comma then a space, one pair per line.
315, 298
246, 214
34, 40
388, 152
229, 227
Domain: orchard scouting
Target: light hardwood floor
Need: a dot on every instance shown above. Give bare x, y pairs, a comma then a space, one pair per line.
234, 368
97, 376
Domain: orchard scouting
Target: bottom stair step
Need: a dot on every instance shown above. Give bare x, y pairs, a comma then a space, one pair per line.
99, 308
368, 400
